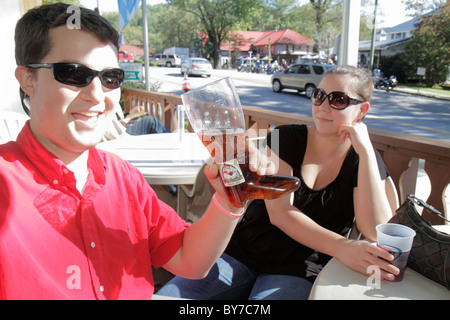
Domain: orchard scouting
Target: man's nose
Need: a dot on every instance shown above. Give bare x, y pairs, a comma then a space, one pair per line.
94, 91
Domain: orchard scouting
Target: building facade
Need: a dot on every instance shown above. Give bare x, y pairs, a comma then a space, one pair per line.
268, 45
388, 42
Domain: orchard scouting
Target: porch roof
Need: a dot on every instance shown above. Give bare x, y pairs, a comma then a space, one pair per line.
381, 45
244, 40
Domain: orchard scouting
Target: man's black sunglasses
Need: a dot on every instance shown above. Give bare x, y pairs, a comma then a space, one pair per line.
78, 75
337, 100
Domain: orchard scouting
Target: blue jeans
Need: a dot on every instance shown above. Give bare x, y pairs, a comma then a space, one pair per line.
146, 125
230, 279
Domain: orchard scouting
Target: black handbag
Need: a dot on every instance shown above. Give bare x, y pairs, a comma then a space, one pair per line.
430, 252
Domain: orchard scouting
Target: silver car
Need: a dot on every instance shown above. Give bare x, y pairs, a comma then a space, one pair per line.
302, 77
196, 66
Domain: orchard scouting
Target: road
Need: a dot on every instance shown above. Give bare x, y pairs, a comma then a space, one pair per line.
393, 111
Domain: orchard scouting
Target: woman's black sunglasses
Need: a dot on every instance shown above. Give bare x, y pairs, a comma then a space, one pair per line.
78, 75
337, 100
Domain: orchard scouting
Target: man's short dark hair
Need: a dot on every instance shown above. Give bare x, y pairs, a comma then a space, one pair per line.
32, 30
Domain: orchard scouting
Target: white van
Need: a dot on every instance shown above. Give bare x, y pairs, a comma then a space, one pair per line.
168, 60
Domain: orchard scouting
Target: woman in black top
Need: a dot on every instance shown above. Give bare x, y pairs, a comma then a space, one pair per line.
281, 245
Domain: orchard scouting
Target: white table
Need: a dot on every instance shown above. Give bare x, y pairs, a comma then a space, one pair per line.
163, 159
338, 282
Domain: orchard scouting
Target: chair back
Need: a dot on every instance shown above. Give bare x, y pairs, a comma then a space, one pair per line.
11, 123
198, 197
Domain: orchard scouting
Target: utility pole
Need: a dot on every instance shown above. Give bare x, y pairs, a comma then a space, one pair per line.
270, 50
374, 30
145, 31
229, 55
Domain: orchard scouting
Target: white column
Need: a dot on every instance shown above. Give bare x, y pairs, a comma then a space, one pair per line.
348, 51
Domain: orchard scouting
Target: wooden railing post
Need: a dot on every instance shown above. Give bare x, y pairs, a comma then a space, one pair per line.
159, 105
439, 174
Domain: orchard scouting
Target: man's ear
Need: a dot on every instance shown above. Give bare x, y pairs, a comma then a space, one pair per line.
25, 77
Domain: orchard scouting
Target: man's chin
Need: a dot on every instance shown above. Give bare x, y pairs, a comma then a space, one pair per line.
90, 139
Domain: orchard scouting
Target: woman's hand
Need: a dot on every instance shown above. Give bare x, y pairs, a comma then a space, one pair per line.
358, 135
360, 255
136, 109
259, 162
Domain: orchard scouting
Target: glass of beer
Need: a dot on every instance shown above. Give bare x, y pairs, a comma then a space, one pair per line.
216, 115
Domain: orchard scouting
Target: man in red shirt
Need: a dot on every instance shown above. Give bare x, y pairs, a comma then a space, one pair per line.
77, 222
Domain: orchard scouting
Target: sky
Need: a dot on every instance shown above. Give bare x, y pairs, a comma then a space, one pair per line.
389, 13
110, 5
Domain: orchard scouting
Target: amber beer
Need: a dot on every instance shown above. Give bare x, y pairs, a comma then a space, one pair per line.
230, 152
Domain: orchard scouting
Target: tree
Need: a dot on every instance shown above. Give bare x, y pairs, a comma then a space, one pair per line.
430, 45
420, 7
217, 18
327, 22
179, 28
278, 14
178, 22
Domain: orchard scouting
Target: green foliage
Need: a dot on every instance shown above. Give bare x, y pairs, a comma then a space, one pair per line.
150, 63
430, 46
178, 22
216, 18
131, 84
398, 65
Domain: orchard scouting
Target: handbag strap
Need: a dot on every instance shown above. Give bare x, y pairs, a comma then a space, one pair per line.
428, 207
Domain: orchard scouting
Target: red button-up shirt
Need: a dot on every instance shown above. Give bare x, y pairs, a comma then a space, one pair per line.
58, 244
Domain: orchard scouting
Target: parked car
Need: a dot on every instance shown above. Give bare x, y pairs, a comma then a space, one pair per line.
168, 60
302, 77
196, 66
125, 56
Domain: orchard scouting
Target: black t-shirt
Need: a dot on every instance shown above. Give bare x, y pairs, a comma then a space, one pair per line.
265, 248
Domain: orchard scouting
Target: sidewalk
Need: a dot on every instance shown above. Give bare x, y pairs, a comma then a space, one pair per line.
418, 91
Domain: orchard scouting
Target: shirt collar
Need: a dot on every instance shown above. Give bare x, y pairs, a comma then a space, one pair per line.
50, 166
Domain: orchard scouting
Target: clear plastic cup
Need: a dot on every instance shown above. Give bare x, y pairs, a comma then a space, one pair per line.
397, 239
215, 113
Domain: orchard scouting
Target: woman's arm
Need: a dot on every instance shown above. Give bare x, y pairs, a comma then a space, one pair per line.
358, 255
370, 200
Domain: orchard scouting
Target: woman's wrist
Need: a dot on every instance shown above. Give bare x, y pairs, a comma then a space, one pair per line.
225, 211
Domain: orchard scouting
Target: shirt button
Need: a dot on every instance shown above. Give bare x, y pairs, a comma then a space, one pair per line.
102, 288
93, 244
65, 171
55, 181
